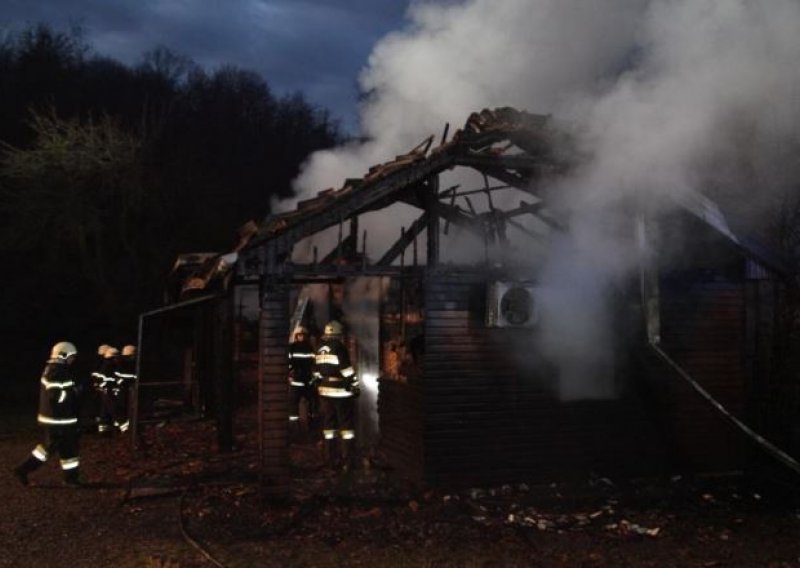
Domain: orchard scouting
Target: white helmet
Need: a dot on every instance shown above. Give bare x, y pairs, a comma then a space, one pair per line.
102, 349
333, 328
63, 350
110, 352
129, 350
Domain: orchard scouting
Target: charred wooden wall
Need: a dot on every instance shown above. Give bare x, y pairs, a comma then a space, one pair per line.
772, 360
703, 330
273, 396
401, 426
490, 416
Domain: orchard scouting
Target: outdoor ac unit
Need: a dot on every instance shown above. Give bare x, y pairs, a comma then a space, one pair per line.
511, 304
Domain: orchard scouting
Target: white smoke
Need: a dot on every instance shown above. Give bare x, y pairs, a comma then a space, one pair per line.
708, 98
453, 59
362, 307
667, 95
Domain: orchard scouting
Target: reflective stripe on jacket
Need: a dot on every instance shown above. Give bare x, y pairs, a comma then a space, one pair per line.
58, 395
125, 372
333, 370
301, 362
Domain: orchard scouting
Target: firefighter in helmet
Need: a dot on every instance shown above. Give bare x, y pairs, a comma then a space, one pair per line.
301, 365
58, 415
125, 374
337, 388
106, 384
91, 402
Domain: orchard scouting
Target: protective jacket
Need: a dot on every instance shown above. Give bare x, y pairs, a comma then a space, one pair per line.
96, 375
105, 377
125, 371
58, 395
333, 371
301, 363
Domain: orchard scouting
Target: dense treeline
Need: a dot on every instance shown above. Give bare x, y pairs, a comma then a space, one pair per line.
108, 171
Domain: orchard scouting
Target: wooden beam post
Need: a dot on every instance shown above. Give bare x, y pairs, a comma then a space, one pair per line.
223, 376
272, 392
432, 218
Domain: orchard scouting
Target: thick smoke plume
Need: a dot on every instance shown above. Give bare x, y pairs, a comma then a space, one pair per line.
665, 96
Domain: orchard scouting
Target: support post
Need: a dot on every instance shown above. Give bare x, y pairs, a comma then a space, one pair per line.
223, 375
272, 392
432, 218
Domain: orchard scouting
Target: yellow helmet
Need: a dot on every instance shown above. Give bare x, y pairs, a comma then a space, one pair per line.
110, 352
63, 350
102, 349
333, 328
129, 350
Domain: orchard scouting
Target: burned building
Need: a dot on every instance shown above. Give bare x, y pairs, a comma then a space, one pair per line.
455, 345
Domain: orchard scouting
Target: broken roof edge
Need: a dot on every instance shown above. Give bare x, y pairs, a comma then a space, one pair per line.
481, 130
709, 212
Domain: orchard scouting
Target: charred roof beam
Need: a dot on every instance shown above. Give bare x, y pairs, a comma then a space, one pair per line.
452, 192
310, 273
514, 180
519, 163
344, 249
363, 201
406, 238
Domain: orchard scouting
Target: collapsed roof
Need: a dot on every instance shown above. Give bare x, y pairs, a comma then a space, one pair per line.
517, 148
512, 146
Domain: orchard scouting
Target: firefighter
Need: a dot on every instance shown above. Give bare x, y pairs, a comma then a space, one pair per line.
301, 365
58, 415
106, 384
101, 351
125, 374
91, 403
337, 388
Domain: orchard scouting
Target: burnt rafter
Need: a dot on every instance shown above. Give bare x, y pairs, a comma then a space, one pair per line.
511, 178
459, 217
481, 144
346, 248
452, 214
405, 239
356, 203
525, 165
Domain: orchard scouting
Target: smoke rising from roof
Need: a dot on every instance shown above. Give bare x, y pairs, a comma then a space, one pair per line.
665, 95
452, 59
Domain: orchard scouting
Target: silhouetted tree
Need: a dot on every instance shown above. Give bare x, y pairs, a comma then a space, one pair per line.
108, 171
76, 202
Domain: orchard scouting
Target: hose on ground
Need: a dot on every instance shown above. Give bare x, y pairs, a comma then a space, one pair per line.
187, 537
766, 445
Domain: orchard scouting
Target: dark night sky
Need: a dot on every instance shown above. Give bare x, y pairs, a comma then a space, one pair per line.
316, 46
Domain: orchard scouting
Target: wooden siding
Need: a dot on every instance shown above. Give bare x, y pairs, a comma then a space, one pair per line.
273, 395
488, 419
400, 412
703, 331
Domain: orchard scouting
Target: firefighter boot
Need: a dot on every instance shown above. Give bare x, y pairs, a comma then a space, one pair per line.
22, 470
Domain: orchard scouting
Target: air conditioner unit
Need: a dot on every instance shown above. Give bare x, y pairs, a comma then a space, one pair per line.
511, 304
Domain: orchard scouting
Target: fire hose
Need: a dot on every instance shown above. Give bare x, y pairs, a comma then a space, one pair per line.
188, 538
768, 446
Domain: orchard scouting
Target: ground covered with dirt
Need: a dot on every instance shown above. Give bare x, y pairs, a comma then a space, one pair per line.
178, 503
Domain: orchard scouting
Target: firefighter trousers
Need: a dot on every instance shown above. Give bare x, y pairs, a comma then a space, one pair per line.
338, 417
60, 440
